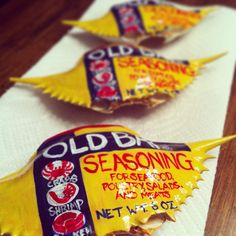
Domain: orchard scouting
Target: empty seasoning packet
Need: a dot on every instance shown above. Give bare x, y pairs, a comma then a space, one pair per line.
136, 21
112, 76
101, 180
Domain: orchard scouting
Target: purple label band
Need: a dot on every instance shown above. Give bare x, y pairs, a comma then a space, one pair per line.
128, 18
102, 81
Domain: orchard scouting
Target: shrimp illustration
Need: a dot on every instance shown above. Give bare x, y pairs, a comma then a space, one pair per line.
62, 194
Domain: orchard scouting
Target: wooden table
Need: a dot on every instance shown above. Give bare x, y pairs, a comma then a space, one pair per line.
30, 28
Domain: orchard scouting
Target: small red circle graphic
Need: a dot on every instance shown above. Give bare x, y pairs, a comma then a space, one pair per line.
68, 222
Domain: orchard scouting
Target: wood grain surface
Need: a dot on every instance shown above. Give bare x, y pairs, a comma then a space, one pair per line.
30, 28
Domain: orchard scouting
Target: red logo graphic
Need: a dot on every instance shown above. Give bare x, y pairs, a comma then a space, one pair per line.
68, 222
103, 78
128, 19
99, 65
57, 169
131, 29
125, 11
62, 194
106, 92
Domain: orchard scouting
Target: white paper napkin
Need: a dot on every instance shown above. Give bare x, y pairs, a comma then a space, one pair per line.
28, 117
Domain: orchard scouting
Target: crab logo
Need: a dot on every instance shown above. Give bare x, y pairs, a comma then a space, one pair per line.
99, 65
57, 169
62, 194
125, 11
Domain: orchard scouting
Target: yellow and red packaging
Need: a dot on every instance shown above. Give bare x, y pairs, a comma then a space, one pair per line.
109, 77
101, 180
136, 21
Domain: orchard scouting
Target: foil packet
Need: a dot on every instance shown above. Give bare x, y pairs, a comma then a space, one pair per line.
135, 21
101, 180
109, 77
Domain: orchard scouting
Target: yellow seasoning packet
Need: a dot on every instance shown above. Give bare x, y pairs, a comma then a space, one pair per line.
135, 21
117, 75
101, 180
